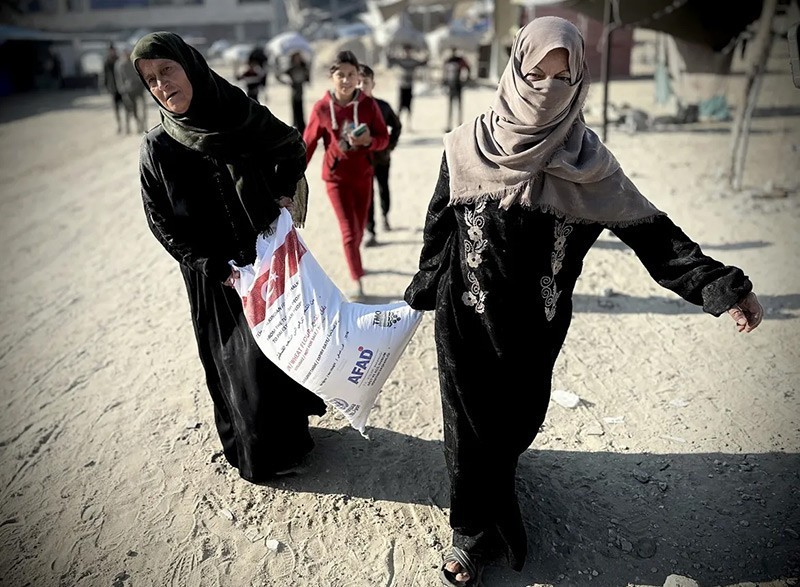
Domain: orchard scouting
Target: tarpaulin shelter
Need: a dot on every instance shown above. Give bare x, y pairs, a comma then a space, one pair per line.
24, 53
716, 24
713, 23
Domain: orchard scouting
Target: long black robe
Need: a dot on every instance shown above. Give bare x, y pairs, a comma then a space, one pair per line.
193, 209
501, 283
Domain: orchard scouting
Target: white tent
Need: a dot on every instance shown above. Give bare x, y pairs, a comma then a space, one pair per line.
398, 31
281, 46
453, 35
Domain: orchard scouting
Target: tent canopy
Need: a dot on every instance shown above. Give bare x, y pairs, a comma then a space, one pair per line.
288, 42
454, 35
397, 31
14, 33
713, 23
388, 8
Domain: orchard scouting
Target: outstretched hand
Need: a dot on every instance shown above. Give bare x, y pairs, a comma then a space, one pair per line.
747, 314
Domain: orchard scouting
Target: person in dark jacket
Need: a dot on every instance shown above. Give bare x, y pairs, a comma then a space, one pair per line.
455, 74
381, 160
215, 174
259, 58
110, 83
408, 65
351, 127
523, 193
297, 75
253, 79
130, 88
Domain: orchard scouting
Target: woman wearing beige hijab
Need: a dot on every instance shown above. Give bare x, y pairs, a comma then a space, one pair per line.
524, 191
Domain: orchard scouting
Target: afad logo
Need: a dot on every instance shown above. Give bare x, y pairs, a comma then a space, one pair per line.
364, 357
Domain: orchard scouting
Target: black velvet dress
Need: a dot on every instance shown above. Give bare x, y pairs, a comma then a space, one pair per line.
193, 209
501, 283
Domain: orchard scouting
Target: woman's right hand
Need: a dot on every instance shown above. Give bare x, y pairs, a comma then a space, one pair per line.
747, 314
231, 278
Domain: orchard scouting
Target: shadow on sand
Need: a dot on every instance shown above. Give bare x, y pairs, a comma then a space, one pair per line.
777, 307
719, 518
620, 246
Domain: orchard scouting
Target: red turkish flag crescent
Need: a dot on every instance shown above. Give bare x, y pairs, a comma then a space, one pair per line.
271, 284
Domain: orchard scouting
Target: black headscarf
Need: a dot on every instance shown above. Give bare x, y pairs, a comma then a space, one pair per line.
265, 157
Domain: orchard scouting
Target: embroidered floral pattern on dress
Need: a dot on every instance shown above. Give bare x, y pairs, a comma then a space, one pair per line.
550, 291
474, 246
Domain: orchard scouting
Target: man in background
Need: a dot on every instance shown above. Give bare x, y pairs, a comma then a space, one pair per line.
408, 65
253, 78
296, 76
110, 82
381, 160
455, 75
131, 90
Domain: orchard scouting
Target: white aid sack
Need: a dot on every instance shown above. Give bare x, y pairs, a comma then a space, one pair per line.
340, 350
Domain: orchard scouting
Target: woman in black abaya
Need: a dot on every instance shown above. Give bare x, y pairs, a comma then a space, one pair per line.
524, 191
215, 174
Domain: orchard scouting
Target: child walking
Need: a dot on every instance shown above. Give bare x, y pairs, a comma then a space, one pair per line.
381, 160
351, 127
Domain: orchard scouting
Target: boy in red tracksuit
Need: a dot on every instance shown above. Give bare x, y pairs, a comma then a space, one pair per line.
337, 118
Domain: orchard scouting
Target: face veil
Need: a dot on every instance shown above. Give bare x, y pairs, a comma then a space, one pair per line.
532, 146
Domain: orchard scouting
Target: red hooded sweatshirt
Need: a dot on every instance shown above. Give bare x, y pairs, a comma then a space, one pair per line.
329, 121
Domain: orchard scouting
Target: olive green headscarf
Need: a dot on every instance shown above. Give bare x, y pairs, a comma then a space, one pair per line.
265, 156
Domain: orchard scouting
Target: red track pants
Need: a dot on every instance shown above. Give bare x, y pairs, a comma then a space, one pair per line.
350, 203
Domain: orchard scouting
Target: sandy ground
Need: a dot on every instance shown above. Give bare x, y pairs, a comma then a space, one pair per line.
681, 458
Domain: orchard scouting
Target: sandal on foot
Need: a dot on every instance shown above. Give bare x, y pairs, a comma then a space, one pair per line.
467, 565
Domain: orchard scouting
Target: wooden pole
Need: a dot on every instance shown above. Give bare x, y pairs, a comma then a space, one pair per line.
749, 96
605, 64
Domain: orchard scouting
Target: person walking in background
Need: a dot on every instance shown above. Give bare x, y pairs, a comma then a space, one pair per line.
260, 58
55, 68
352, 128
252, 78
110, 83
523, 193
408, 65
130, 88
214, 175
297, 75
381, 160
455, 74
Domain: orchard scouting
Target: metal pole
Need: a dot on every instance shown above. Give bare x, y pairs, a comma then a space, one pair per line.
760, 48
605, 64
